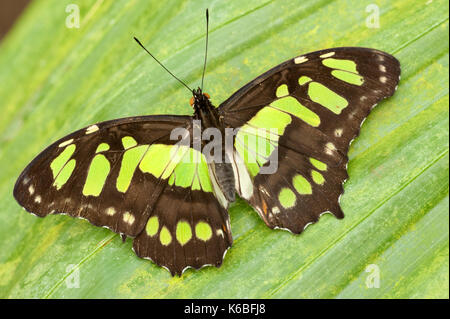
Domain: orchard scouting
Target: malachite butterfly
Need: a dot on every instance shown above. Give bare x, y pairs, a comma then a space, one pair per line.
131, 176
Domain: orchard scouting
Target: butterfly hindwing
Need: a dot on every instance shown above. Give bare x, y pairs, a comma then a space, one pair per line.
188, 228
125, 175
316, 103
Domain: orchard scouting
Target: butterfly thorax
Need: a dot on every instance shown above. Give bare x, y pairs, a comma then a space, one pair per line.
221, 167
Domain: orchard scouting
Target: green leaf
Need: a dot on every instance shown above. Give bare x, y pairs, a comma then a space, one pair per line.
56, 80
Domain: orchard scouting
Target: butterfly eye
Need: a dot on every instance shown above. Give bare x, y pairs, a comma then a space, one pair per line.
191, 101
207, 95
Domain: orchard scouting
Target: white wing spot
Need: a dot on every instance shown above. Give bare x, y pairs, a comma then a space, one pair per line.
65, 143
338, 132
37, 199
110, 211
25, 180
382, 68
276, 210
128, 218
330, 148
89, 206
380, 58
31, 189
383, 79
300, 59
219, 232
363, 98
327, 55
91, 129
352, 115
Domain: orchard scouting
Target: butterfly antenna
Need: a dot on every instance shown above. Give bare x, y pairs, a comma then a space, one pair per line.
139, 42
206, 50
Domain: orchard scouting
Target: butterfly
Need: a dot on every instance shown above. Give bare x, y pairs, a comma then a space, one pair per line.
131, 176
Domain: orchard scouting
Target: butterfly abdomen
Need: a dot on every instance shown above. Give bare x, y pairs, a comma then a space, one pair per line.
225, 178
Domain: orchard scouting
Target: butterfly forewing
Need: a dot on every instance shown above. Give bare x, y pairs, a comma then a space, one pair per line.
317, 103
78, 175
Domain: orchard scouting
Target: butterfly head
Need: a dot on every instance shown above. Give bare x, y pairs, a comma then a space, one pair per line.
199, 98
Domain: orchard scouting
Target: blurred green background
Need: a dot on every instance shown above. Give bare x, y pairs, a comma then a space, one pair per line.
56, 79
